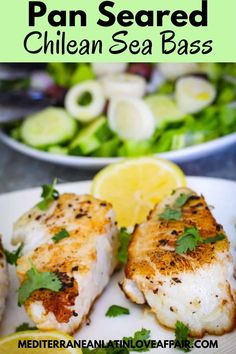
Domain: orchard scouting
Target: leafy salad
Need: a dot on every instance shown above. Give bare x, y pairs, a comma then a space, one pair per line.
120, 109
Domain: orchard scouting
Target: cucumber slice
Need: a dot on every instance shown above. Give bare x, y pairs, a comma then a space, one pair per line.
90, 138
49, 127
164, 109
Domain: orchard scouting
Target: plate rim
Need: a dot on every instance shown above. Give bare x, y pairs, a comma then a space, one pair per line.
182, 155
226, 342
87, 182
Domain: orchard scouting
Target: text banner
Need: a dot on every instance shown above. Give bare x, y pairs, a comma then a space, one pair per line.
118, 31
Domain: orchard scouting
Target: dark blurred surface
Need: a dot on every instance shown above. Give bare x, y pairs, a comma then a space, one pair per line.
20, 172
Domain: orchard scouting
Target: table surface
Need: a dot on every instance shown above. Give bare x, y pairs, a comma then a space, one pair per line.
21, 172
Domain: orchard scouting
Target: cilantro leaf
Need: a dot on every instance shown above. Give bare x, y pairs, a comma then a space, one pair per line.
60, 235
182, 200
124, 237
142, 335
116, 310
175, 213
218, 237
35, 281
182, 340
25, 327
188, 241
49, 194
12, 257
170, 214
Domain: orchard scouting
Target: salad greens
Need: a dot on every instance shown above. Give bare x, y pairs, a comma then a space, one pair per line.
96, 139
67, 75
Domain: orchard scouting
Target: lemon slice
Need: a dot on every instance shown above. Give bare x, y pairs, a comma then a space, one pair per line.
134, 186
9, 344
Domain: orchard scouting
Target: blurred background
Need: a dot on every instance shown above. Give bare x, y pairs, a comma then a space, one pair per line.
69, 120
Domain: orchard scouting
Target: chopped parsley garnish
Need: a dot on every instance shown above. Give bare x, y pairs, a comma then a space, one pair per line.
182, 340
25, 327
116, 310
215, 239
60, 235
124, 237
12, 257
49, 194
170, 214
35, 281
182, 200
188, 241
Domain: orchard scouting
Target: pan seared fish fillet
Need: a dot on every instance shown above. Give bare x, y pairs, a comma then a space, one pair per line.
196, 288
3, 280
84, 261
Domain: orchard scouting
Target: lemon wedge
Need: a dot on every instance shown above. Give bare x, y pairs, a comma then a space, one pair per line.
10, 344
134, 186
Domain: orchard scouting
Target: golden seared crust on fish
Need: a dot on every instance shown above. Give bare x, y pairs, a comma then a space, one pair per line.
157, 238
197, 287
3, 280
83, 261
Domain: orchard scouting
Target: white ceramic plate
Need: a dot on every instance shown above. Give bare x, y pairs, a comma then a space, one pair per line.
183, 155
220, 193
